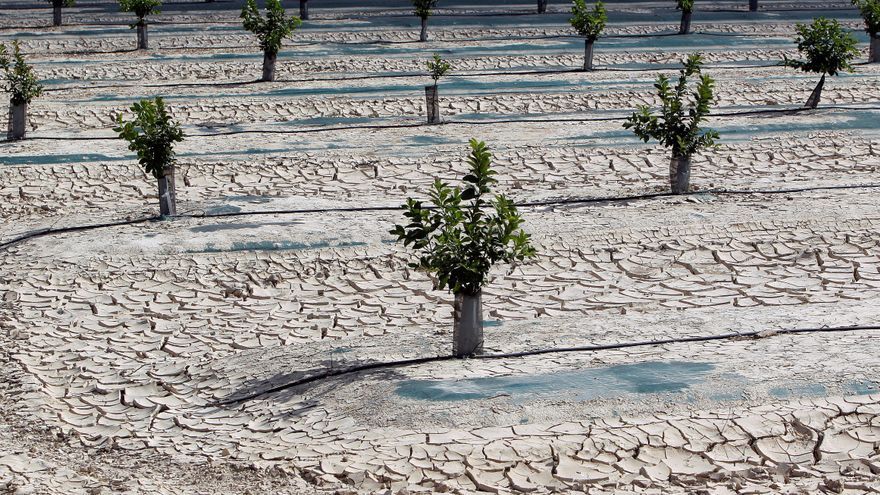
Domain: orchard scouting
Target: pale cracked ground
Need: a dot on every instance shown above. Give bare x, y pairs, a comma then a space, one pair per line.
134, 357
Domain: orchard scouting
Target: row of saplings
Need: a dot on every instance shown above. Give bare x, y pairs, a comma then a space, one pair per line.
467, 229
589, 23
827, 48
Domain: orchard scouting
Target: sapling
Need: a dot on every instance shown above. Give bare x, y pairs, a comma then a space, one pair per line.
437, 67
589, 23
57, 5
141, 9
687, 11
152, 134
304, 10
753, 5
424, 9
828, 50
461, 237
870, 10
270, 31
21, 84
678, 124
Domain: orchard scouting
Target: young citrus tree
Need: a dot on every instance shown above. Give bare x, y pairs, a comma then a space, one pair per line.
687, 11
21, 84
424, 10
152, 135
270, 31
141, 9
589, 23
828, 50
870, 10
56, 10
437, 68
461, 237
678, 124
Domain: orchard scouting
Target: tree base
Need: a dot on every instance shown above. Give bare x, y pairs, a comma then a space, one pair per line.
432, 104
167, 194
680, 174
467, 336
17, 121
269, 66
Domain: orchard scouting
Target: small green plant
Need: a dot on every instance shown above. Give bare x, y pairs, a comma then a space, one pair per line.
828, 50
461, 237
152, 134
438, 68
57, 5
687, 10
870, 10
678, 125
21, 84
141, 9
423, 10
270, 30
19, 79
589, 23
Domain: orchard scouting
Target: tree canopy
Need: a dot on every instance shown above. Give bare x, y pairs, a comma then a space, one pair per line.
272, 29
589, 23
19, 79
140, 8
870, 10
424, 8
827, 47
678, 124
151, 134
465, 233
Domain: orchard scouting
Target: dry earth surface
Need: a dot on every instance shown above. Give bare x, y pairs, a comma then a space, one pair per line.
158, 356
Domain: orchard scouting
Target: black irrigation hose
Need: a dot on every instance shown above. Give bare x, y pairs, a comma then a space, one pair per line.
588, 348
788, 111
365, 209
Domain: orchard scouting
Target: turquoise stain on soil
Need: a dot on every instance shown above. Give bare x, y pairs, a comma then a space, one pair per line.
641, 378
274, 246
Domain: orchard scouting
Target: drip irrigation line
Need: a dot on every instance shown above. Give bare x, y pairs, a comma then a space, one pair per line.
754, 334
372, 209
77, 228
787, 111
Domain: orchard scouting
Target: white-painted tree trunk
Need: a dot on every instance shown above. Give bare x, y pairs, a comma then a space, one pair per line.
467, 336
680, 174
542, 6
143, 42
588, 55
423, 36
269, 66
685, 26
432, 104
874, 54
816, 95
17, 121
167, 193
56, 14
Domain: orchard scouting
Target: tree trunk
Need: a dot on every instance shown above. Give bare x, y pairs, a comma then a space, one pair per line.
424, 34
17, 121
467, 335
432, 103
269, 66
816, 95
680, 174
167, 193
304, 9
142, 35
542, 6
753, 5
685, 27
588, 55
874, 55
56, 14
